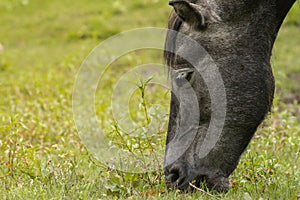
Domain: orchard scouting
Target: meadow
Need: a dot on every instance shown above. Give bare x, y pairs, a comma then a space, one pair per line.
42, 45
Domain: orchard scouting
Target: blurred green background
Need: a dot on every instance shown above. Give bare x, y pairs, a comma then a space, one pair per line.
43, 43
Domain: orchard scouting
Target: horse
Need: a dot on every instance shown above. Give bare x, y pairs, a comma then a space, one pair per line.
238, 36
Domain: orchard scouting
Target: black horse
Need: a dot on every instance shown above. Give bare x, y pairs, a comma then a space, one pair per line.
238, 35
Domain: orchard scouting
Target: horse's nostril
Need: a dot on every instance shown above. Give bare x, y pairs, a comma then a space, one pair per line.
175, 177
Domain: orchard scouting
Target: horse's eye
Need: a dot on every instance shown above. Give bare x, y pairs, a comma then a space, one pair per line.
182, 76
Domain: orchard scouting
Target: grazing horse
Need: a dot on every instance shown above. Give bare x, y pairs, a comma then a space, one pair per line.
238, 35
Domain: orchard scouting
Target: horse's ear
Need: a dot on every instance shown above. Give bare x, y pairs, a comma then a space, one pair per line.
191, 13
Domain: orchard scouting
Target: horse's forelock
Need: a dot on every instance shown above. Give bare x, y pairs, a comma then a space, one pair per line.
174, 25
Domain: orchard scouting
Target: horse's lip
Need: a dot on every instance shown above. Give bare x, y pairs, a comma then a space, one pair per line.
186, 183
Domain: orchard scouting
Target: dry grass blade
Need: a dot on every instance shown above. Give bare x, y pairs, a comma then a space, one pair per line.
200, 190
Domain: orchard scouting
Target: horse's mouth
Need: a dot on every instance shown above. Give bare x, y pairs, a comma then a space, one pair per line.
185, 184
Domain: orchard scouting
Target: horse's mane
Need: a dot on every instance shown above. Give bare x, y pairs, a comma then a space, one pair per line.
174, 24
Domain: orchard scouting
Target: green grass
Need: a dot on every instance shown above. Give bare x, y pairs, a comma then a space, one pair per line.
41, 155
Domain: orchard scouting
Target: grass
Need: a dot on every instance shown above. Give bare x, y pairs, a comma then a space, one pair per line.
41, 155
